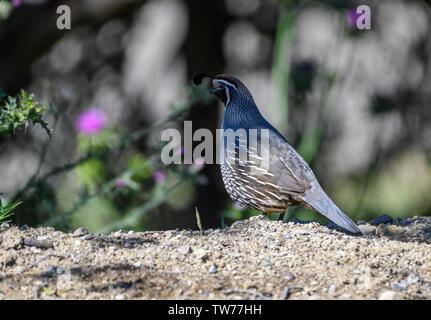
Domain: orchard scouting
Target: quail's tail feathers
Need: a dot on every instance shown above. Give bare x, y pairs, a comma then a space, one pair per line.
325, 206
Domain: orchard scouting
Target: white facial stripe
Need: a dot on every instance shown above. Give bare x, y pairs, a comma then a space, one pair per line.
227, 96
226, 83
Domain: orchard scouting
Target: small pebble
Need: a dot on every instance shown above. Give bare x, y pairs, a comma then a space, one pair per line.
398, 287
267, 263
289, 277
202, 254
52, 271
185, 250
384, 218
217, 255
20, 269
368, 230
24, 227
117, 234
332, 289
88, 237
80, 232
212, 269
390, 295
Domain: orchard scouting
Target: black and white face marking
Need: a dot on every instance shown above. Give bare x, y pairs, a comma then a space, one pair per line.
221, 90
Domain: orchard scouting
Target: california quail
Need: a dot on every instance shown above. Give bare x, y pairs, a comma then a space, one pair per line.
286, 181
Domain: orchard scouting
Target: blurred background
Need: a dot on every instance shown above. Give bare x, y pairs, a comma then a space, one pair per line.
354, 103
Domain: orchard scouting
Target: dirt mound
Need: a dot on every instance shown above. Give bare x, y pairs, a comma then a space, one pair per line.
253, 259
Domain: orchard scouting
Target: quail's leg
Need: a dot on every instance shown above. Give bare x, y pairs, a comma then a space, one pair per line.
289, 213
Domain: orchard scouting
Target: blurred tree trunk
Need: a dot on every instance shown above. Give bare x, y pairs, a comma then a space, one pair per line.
204, 53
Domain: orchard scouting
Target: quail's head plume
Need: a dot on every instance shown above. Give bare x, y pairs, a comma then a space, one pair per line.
286, 181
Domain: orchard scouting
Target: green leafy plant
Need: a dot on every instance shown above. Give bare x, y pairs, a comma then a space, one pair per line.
6, 211
102, 194
18, 112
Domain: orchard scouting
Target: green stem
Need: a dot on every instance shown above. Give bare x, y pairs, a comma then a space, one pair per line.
100, 191
123, 143
311, 140
131, 218
281, 68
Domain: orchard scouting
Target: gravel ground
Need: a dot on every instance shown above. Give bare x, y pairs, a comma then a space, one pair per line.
253, 259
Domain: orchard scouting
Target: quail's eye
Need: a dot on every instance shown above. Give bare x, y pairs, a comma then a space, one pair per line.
218, 84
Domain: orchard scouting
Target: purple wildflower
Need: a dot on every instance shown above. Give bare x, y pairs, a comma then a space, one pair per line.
121, 183
199, 163
16, 3
159, 175
91, 121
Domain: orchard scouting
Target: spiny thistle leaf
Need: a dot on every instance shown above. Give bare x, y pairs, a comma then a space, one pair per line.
17, 112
